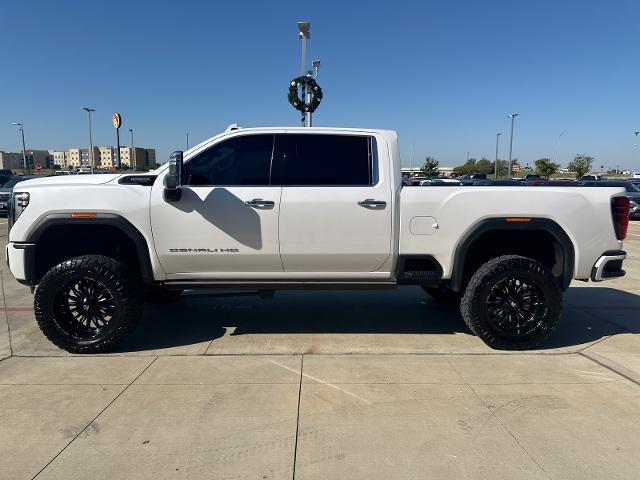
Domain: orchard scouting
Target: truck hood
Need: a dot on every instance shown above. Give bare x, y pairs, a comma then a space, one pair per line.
70, 180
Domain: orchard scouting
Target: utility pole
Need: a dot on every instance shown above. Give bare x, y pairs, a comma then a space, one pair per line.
558, 145
89, 110
495, 168
304, 34
187, 140
24, 154
133, 152
513, 118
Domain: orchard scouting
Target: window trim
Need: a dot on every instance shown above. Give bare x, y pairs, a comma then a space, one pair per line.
234, 137
374, 165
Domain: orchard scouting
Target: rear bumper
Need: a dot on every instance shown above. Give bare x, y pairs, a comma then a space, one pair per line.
608, 266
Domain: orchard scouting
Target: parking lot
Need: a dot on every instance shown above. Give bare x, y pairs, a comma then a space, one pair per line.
326, 385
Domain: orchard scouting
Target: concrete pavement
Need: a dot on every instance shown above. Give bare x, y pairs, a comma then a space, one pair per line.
326, 385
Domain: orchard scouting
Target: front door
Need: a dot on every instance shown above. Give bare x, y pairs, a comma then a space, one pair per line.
226, 220
336, 209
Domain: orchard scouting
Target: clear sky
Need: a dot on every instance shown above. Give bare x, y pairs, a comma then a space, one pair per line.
444, 74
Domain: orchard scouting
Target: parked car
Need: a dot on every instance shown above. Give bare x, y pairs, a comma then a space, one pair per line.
635, 175
415, 181
7, 189
635, 181
60, 173
440, 182
551, 183
498, 183
233, 215
632, 192
4, 178
593, 178
532, 176
469, 178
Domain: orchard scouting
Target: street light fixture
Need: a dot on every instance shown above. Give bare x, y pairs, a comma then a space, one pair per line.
513, 118
558, 145
24, 155
89, 110
495, 167
132, 158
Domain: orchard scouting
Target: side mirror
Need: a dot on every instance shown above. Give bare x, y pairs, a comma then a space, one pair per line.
173, 179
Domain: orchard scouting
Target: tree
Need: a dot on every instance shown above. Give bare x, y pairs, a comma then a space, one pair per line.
431, 168
545, 167
468, 167
484, 166
581, 165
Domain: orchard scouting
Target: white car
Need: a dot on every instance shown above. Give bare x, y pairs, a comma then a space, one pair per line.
273, 208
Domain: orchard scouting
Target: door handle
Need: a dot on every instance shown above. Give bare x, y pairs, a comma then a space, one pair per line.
258, 202
370, 202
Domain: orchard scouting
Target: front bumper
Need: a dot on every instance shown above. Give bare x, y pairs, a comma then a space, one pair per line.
608, 266
21, 261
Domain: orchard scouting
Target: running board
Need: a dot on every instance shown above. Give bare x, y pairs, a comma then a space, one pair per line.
276, 285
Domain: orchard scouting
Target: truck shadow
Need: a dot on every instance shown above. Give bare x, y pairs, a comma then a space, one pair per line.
226, 212
590, 314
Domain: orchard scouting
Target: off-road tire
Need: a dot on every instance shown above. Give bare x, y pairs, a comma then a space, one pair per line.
442, 294
124, 289
478, 301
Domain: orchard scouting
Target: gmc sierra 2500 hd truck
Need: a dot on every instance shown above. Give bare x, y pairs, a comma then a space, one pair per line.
273, 208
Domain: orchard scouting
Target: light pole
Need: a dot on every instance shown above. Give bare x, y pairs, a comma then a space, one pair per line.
133, 152
304, 34
495, 168
24, 155
513, 118
558, 145
187, 140
89, 110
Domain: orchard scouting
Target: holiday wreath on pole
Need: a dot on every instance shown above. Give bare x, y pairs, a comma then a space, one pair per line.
312, 87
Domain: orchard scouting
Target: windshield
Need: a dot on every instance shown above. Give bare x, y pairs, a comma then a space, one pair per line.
631, 187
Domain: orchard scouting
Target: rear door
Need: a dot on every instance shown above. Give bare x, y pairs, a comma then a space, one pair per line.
336, 205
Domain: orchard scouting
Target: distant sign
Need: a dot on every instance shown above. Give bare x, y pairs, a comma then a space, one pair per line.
38, 166
117, 120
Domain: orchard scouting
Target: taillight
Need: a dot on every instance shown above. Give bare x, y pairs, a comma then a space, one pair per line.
620, 214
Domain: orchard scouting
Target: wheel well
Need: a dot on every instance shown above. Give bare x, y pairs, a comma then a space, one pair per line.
62, 242
541, 245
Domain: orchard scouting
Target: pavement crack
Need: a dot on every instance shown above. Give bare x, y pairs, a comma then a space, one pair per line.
504, 427
295, 448
94, 418
610, 368
6, 314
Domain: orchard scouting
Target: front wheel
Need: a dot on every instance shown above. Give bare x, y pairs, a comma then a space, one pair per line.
88, 304
512, 303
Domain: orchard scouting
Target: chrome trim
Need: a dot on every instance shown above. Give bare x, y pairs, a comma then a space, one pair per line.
600, 265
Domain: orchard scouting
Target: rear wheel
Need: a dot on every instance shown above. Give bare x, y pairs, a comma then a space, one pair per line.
88, 304
512, 303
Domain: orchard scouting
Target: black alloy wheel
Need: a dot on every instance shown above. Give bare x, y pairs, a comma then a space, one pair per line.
512, 303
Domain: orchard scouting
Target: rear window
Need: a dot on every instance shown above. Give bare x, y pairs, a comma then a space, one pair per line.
316, 159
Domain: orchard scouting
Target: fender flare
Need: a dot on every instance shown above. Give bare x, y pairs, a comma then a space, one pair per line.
500, 223
109, 219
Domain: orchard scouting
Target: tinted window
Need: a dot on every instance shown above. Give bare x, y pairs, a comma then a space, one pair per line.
328, 160
244, 160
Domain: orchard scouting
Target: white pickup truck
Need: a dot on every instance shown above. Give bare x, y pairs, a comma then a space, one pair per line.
274, 208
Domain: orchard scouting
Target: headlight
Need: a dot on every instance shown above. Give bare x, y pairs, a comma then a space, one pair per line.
22, 199
19, 202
